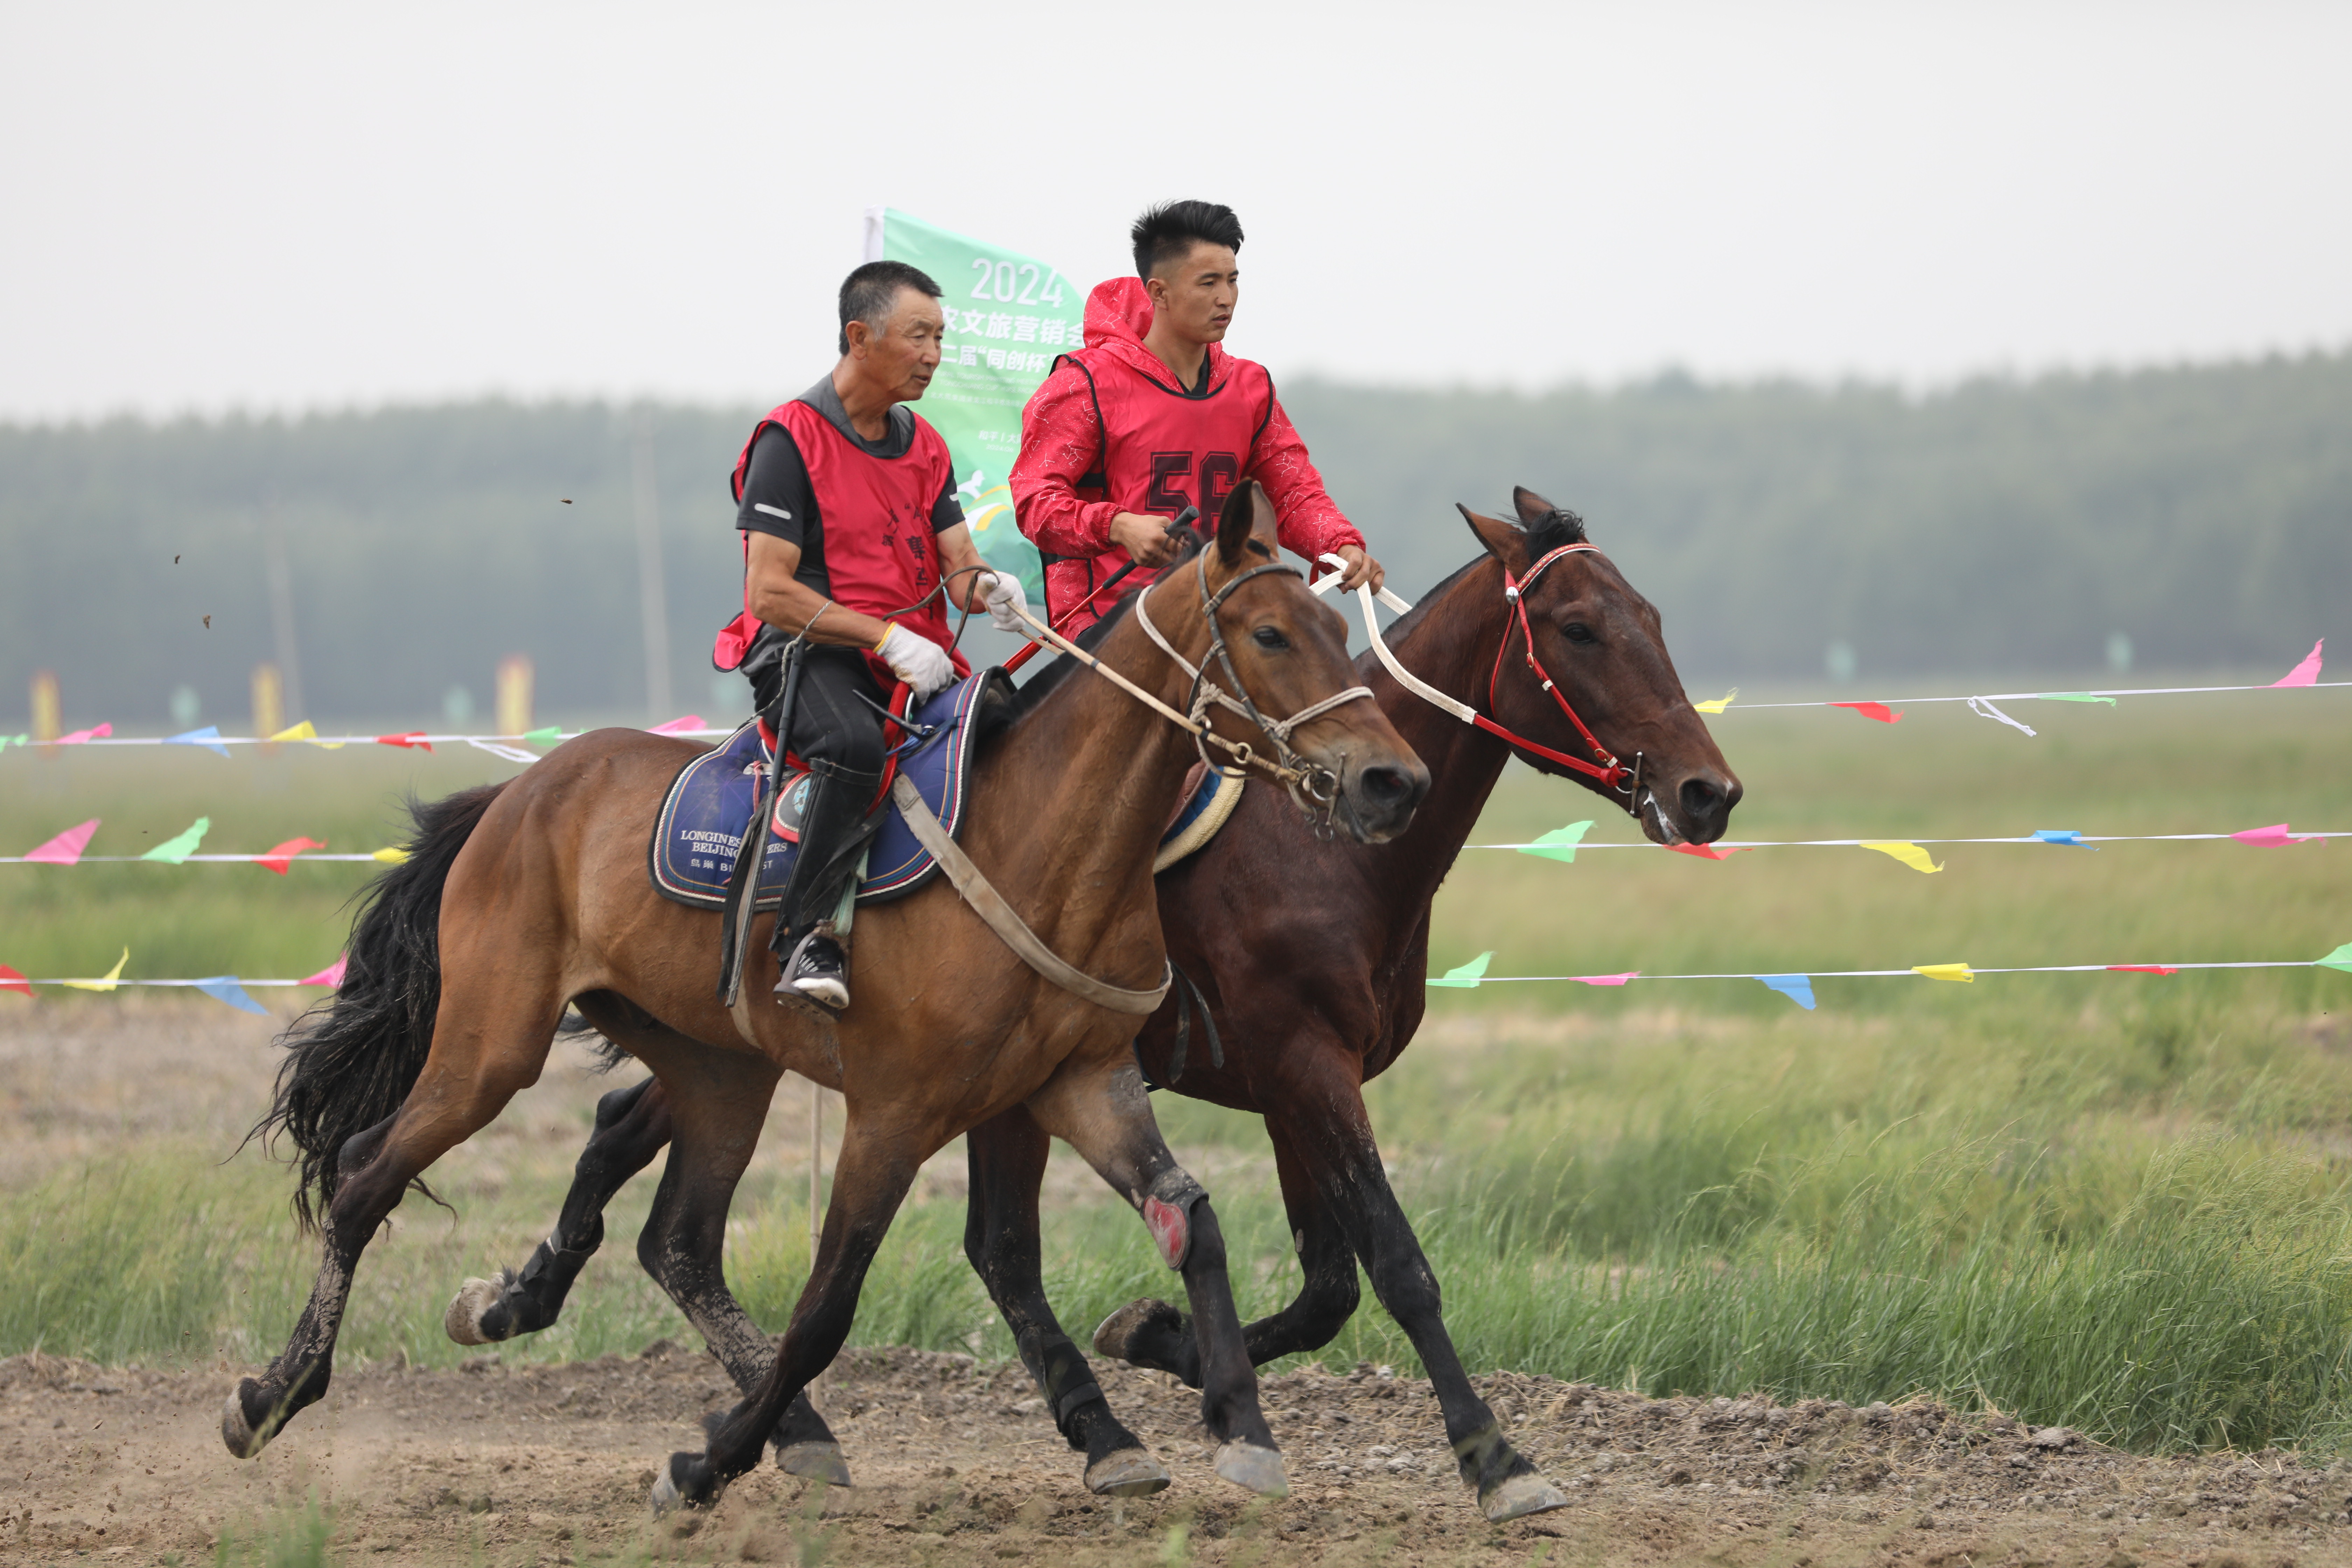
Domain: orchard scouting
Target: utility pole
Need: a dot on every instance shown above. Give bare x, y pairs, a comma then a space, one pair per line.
280, 573
653, 595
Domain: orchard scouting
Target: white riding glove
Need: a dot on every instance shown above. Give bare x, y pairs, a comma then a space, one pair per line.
1001, 592
921, 663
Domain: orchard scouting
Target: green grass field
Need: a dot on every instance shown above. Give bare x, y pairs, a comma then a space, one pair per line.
2113, 1201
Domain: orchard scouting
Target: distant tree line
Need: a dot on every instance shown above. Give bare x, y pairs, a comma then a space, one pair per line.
2201, 514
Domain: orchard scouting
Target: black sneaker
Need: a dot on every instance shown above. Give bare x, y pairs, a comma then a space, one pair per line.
819, 971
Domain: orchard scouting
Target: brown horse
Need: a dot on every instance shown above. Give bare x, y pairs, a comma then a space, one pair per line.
523, 898
1313, 964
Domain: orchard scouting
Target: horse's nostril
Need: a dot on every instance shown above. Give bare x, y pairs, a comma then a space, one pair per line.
1384, 786
1700, 797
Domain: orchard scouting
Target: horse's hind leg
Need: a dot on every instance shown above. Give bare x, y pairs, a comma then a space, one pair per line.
488, 1040
633, 1125
1156, 1336
1103, 1113
1007, 1158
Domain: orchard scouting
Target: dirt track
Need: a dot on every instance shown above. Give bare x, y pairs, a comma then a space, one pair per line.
956, 1463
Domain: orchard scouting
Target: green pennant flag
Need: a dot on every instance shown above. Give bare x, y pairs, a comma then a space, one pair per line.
175, 851
1560, 844
1009, 317
2340, 959
1466, 976
546, 737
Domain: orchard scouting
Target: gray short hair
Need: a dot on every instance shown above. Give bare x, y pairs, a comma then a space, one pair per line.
868, 294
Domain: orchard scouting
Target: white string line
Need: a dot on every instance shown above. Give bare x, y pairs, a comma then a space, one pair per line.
1871, 973
223, 859
402, 743
1857, 843
2038, 696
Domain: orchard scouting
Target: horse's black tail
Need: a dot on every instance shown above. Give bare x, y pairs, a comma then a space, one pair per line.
352, 1059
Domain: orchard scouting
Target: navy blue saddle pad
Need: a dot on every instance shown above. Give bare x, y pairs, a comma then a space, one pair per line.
700, 828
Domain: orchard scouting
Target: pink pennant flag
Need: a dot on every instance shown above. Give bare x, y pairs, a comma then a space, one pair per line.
81, 736
331, 977
282, 856
66, 849
2275, 836
2307, 672
1878, 710
2142, 969
414, 738
12, 981
1606, 979
678, 726
1708, 851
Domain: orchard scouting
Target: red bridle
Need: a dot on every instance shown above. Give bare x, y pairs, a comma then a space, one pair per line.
1607, 770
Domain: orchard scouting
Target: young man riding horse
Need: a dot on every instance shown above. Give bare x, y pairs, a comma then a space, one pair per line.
846, 503
1153, 416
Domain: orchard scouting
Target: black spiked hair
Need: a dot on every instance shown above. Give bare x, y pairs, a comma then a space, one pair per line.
868, 293
1168, 231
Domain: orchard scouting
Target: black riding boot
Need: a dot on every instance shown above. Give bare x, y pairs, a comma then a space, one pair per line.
833, 830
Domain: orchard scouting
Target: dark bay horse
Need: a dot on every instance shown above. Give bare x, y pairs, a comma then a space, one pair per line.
1313, 962
522, 898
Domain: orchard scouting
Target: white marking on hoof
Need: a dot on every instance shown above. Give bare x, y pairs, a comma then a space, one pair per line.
463, 1320
1259, 1469
242, 1440
1519, 1496
814, 1462
666, 1494
1130, 1472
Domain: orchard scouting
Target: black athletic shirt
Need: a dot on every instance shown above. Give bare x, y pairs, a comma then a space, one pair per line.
777, 498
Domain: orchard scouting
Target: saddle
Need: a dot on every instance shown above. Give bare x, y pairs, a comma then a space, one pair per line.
708, 809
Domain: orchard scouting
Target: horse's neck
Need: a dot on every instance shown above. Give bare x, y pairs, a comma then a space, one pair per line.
1450, 643
1072, 801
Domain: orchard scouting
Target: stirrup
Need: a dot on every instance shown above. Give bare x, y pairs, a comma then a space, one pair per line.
828, 990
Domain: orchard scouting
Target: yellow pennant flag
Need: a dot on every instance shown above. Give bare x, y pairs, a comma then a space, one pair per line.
112, 975
389, 856
1959, 972
1717, 705
305, 731
1902, 849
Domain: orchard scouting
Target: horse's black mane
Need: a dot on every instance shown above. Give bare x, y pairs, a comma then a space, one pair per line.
1557, 527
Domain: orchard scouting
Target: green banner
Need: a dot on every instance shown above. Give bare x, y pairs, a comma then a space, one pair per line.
1008, 316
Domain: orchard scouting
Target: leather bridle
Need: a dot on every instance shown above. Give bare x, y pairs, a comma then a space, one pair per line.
1608, 769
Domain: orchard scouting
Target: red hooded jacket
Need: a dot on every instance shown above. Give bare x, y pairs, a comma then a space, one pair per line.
1112, 430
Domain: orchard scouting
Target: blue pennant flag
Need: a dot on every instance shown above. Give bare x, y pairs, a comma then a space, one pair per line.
209, 738
1797, 988
228, 988
2064, 836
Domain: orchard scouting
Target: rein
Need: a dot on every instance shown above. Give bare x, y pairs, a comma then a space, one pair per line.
1607, 770
1286, 768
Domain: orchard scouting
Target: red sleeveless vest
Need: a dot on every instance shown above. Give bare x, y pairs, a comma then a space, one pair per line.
1162, 451
880, 555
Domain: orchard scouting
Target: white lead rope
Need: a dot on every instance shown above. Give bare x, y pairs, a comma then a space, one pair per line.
1405, 678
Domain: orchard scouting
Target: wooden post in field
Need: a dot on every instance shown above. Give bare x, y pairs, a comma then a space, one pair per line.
48, 711
269, 702
514, 695
816, 1163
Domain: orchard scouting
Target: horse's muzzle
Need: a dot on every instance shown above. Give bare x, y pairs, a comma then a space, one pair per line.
1377, 799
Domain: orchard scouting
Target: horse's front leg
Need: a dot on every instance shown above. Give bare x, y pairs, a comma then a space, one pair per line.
1103, 1113
1336, 1146
1007, 1160
870, 1181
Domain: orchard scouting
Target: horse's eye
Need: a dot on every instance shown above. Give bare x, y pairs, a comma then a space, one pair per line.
1578, 632
1268, 637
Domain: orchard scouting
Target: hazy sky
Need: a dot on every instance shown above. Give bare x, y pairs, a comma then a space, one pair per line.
237, 206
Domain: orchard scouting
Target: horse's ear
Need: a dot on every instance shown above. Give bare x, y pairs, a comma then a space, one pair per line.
1504, 542
1247, 514
1532, 507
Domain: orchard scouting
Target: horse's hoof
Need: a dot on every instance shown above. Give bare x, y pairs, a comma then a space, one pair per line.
243, 1442
1116, 1336
463, 1320
1259, 1469
815, 1461
1130, 1472
1519, 1496
666, 1494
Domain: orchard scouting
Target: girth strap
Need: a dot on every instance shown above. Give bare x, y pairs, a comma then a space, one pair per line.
990, 905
